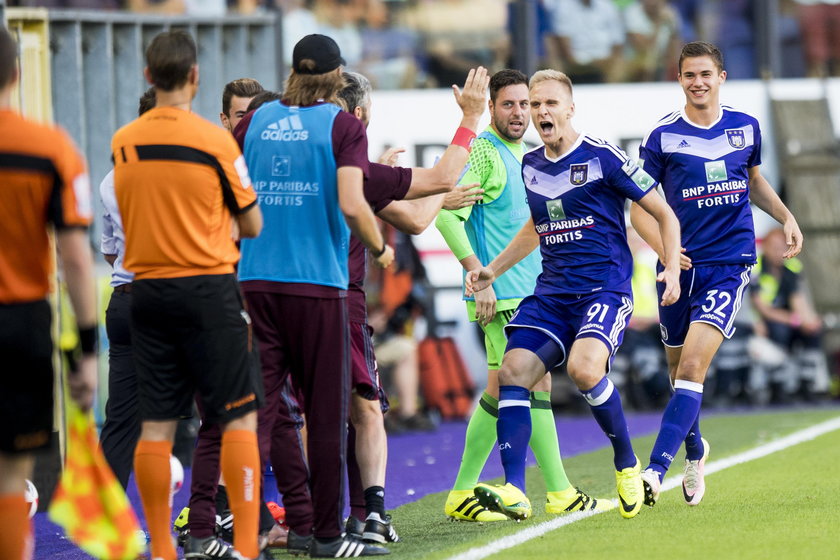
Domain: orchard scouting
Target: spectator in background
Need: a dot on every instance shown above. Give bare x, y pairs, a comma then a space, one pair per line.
298, 22
340, 19
587, 39
459, 35
730, 25
689, 12
820, 24
786, 317
653, 31
389, 51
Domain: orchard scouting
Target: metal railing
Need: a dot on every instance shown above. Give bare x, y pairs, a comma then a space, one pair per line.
96, 61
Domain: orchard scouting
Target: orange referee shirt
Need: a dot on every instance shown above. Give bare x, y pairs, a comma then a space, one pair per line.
178, 180
43, 179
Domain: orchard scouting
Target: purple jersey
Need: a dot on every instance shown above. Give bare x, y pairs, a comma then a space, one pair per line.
577, 204
704, 172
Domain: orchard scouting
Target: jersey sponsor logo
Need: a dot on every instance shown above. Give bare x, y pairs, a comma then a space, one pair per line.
287, 129
638, 175
716, 171
564, 230
555, 209
578, 173
736, 139
683, 144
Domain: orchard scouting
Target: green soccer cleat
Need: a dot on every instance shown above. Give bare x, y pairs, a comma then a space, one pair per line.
573, 499
462, 505
628, 482
507, 499
182, 526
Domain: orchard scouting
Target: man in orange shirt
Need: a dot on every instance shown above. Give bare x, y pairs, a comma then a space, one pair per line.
44, 181
178, 180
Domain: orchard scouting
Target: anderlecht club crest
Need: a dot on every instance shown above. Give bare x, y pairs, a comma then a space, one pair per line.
736, 138
578, 173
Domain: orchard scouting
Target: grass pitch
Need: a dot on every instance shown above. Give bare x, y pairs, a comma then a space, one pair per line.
783, 505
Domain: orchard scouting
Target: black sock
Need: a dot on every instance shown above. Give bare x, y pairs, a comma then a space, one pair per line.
221, 499
375, 500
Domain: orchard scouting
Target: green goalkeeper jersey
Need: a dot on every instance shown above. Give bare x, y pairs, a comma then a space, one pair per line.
486, 228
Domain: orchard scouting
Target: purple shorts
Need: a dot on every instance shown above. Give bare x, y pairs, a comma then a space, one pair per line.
566, 317
709, 294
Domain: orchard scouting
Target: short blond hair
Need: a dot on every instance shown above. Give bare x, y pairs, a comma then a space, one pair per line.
547, 75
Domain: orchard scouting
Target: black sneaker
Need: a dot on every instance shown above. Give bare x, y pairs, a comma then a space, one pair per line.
344, 547
224, 525
210, 547
379, 530
298, 544
354, 527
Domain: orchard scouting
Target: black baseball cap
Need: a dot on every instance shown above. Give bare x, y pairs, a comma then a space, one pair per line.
319, 48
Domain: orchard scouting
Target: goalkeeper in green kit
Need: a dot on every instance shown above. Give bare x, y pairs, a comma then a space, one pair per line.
476, 234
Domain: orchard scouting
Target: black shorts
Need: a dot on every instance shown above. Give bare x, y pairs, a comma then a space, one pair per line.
192, 335
26, 377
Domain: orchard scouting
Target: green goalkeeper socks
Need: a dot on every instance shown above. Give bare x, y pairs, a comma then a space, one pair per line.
544, 443
479, 441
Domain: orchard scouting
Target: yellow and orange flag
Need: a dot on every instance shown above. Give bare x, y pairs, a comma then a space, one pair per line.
89, 503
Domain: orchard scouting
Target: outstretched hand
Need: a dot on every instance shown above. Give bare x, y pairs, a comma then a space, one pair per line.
390, 156
478, 279
462, 196
473, 99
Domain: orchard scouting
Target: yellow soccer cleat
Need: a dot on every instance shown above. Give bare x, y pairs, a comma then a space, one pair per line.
572, 499
630, 490
462, 505
507, 499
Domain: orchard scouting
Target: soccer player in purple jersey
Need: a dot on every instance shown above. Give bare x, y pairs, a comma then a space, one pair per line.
576, 187
706, 156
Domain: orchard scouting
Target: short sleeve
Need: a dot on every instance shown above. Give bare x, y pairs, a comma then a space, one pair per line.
386, 184
628, 178
480, 163
71, 204
650, 156
236, 185
755, 156
350, 144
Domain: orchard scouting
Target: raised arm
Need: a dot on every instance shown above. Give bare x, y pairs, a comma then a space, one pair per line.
763, 196
445, 173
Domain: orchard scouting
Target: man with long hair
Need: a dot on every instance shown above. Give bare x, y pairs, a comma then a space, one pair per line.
309, 160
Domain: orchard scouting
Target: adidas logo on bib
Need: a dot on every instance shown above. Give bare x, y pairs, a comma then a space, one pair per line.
288, 129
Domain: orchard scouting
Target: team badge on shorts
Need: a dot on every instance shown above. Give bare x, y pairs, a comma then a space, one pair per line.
664, 332
736, 139
578, 173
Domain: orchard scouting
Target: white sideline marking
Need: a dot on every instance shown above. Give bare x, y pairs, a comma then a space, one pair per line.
671, 482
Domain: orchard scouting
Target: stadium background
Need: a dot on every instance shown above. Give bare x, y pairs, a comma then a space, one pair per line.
82, 69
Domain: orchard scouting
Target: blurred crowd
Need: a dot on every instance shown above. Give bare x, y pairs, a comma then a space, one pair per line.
432, 43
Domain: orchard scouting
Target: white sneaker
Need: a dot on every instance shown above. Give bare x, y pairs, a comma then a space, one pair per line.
693, 484
651, 483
